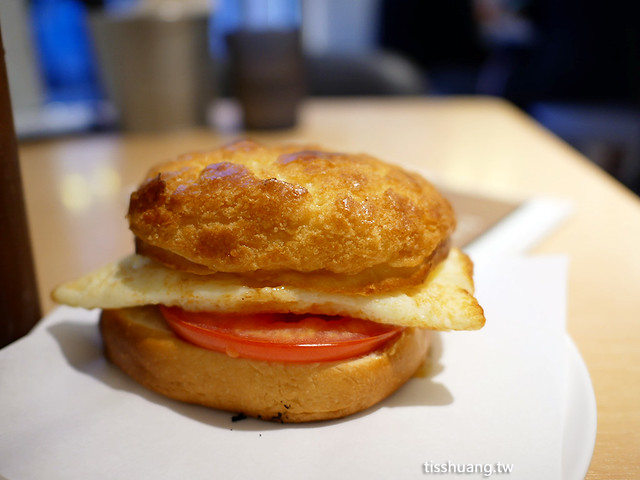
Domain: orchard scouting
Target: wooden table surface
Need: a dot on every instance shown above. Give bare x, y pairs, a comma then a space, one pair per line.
77, 193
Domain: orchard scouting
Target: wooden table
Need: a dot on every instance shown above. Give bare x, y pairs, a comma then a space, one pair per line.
77, 193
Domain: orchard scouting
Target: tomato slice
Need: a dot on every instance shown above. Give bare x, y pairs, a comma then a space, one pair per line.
280, 337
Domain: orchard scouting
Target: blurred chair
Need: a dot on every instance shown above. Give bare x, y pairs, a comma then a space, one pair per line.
608, 134
365, 74
375, 73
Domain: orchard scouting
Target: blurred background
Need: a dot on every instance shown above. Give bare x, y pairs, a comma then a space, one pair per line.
78, 66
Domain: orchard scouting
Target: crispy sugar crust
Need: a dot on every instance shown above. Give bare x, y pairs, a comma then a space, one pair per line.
246, 207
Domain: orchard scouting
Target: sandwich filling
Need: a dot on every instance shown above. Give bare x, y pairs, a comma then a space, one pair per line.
280, 337
444, 301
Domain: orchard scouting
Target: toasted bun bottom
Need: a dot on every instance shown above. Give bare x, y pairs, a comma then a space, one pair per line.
139, 341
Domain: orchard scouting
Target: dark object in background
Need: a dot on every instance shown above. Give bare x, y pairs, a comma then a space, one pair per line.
267, 76
19, 302
432, 33
442, 37
584, 51
581, 79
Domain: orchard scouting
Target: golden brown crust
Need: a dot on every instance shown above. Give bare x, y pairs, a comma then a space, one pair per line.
247, 207
140, 343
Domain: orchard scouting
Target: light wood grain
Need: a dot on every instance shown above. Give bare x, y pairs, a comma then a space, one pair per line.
479, 144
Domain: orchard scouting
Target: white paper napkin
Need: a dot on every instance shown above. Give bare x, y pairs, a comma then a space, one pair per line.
492, 396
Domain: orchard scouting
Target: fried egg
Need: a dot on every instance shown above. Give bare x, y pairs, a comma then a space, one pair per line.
444, 301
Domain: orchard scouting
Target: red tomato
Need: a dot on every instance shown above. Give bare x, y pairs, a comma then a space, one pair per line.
280, 337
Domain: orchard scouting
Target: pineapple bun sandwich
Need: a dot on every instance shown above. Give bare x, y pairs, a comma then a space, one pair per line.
286, 283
